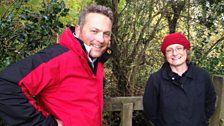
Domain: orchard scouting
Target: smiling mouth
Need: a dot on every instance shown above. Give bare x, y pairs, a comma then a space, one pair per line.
176, 58
96, 46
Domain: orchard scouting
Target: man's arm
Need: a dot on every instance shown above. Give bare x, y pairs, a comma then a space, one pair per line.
18, 84
16, 110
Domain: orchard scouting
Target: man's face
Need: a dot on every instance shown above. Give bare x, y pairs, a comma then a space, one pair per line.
95, 33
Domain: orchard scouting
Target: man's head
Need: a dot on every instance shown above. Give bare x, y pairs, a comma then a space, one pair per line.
94, 28
95, 9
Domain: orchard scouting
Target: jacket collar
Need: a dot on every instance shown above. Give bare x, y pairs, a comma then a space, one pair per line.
168, 74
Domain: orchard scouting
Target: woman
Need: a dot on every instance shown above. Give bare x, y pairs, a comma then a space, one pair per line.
180, 93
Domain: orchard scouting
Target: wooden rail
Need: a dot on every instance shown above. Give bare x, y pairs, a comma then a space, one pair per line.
126, 105
129, 104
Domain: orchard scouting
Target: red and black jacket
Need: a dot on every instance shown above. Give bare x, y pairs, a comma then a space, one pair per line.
61, 80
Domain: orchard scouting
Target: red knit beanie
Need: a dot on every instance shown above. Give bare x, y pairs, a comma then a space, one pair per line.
175, 38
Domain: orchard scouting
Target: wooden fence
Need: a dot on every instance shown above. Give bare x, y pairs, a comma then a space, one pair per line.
218, 117
129, 104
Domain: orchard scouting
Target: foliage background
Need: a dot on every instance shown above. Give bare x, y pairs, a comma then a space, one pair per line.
27, 26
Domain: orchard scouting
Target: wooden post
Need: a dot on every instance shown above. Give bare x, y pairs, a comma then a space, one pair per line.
221, 123
218, 117
126, 114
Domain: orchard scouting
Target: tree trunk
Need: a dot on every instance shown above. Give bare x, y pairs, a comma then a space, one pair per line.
173, 16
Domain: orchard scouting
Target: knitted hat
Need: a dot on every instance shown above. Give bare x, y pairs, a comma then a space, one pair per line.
175, 38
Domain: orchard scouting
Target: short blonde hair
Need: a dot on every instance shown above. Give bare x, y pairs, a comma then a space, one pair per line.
95, 9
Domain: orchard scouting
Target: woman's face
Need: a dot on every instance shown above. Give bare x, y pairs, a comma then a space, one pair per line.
176, 55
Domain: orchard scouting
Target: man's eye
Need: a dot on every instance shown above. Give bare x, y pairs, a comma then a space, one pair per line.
107, 34
93, 31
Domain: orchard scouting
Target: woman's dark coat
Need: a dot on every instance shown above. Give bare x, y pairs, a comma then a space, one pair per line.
171, 100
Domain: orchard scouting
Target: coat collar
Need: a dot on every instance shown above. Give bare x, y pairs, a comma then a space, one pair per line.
168, 74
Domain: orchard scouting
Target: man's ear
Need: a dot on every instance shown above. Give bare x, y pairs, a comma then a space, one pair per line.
109, 43
77, 30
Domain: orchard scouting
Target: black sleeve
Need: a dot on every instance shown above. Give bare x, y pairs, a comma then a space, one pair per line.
210, 98
150, 100
15, 107
16, 110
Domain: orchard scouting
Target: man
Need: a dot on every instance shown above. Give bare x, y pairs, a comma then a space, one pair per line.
180, 93
63, 84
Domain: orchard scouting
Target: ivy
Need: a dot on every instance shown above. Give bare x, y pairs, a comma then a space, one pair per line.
25, 30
